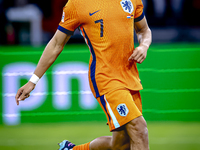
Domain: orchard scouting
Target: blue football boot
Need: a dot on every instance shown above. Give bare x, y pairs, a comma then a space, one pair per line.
66, 145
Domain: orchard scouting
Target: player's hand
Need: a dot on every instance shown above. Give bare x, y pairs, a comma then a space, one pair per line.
24, 92
139, 54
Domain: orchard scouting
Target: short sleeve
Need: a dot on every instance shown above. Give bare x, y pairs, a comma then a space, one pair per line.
70, 19
139, 14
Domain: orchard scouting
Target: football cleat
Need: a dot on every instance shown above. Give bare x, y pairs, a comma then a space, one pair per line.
66, 145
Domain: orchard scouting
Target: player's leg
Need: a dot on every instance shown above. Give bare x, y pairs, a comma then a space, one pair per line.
137, 128
138, 133
123, 112
132, 136
119, 140
123, 108
104, 142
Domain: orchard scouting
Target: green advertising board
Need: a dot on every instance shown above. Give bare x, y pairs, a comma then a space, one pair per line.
170, 77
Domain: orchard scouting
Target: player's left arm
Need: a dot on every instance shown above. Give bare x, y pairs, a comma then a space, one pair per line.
144, 36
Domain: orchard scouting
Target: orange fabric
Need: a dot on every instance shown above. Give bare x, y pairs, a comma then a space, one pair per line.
109, 32
121, 106
82, 147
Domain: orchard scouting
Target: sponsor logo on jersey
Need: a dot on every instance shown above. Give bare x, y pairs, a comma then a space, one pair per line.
122, 110
127, 6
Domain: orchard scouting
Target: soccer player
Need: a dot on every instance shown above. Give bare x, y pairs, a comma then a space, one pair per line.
108, 29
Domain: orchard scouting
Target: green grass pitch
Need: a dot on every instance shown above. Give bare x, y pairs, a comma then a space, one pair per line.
162, 135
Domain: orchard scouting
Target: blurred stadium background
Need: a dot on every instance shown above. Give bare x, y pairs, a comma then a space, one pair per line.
57, 111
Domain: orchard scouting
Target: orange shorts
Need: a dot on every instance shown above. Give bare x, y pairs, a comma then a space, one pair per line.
121, 106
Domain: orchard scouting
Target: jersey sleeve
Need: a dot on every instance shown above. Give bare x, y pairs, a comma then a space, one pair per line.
70, 19
139, 14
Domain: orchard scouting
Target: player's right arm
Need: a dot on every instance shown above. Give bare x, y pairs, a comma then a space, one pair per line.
51, 52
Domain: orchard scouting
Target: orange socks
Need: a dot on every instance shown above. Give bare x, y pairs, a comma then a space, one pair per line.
82, 147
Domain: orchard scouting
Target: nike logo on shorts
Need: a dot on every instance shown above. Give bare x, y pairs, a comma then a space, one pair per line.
94, 13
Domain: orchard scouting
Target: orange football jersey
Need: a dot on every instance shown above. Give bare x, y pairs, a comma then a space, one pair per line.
108, 29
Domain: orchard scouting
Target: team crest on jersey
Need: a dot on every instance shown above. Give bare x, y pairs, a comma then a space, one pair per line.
63, 17
122, 110
127, 6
